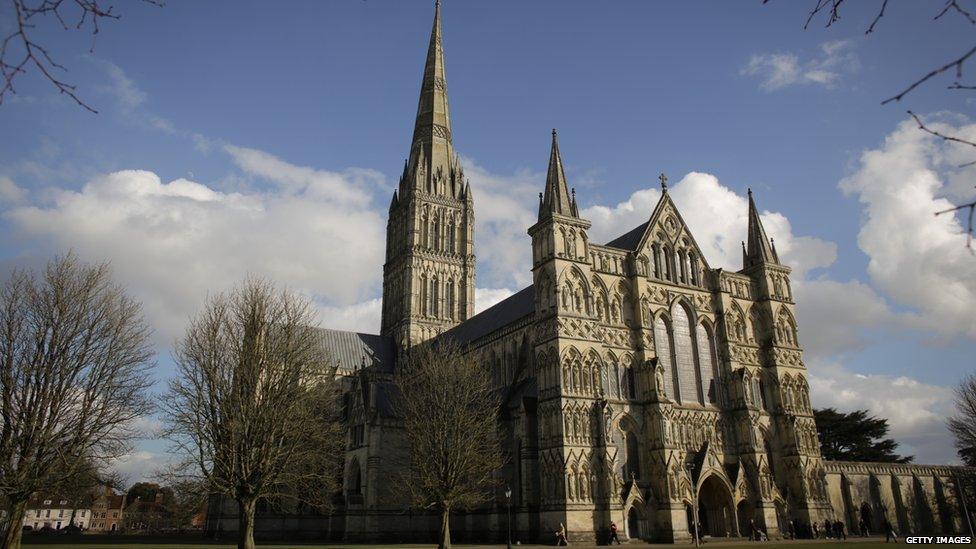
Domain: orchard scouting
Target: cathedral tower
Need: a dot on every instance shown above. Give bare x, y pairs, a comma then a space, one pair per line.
428, 278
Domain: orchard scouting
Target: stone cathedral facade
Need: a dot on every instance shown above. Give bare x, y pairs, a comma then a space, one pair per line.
638, 382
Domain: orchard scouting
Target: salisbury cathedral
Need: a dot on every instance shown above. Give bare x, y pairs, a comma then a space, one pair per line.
637, 379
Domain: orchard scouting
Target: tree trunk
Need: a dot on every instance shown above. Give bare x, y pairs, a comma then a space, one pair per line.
445, 541
245, 524
15, 526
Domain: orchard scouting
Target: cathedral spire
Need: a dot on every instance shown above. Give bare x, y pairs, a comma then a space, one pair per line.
556, 199
759, 249
432, 143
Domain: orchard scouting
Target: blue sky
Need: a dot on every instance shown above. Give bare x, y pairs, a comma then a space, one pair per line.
265, 137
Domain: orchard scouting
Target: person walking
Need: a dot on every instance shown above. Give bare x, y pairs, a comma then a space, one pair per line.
561, 535
890, 533
840, 528
613, 534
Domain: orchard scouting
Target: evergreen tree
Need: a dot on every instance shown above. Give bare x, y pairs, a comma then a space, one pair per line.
855, 436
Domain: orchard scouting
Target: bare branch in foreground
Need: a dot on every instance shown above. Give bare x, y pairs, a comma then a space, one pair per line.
253, 411
450, 421
74, 359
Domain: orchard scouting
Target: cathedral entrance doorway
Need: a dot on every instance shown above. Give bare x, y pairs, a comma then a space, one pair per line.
745, 514
716, 517
633, 524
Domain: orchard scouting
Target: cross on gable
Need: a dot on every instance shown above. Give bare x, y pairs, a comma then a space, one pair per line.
664, 181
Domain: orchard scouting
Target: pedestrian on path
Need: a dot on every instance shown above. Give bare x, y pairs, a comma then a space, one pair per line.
613, 534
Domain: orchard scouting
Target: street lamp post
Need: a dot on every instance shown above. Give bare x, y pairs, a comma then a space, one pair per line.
508, 499
694, 503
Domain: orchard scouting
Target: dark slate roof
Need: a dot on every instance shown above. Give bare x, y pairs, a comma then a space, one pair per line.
506, 311
353, 350
630, 239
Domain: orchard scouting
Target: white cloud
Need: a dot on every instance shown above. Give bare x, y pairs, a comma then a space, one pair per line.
140, 466
126, 93
780, 70
916, 258
361, 317
718, 218
915, 411
10, 193
835, 317
172, 243
349, 188
486, 297
505, 207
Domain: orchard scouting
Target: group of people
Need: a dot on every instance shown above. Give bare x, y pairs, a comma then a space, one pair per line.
562, 540
828, 529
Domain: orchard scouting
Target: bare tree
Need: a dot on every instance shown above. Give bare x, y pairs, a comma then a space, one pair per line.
74, 360
21, 51
450, 421
830, 10
963, 424
253, 411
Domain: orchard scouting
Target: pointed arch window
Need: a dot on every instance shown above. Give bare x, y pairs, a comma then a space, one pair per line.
706, 361
433, 297
632, 467
424, 292
449, 300
684, 356
662, 344
450, 237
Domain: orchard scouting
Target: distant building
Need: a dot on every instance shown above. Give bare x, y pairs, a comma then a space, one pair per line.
145, 516
107, 511
56, 513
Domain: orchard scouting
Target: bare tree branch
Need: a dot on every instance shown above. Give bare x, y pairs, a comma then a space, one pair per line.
877, 17
74, 355
253, 412
449, 413
957, 63
969, 227
19, 51
954, 5
962, 425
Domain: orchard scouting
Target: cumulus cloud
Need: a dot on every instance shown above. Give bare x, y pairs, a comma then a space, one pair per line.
486, 297
10, 193
915, 411
173, 242
140, 466
836, 317
781, 70
916, 258
718, 218
504, 209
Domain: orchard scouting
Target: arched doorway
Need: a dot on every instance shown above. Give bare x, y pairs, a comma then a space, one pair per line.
744, 512
633, 524
715, 515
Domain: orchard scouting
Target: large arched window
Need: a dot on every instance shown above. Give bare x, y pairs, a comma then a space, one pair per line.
436, 240
450, 237
706, 362
433, 297
355, 486
684, 356
449, 300
662, 343
632, 467
424, 302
